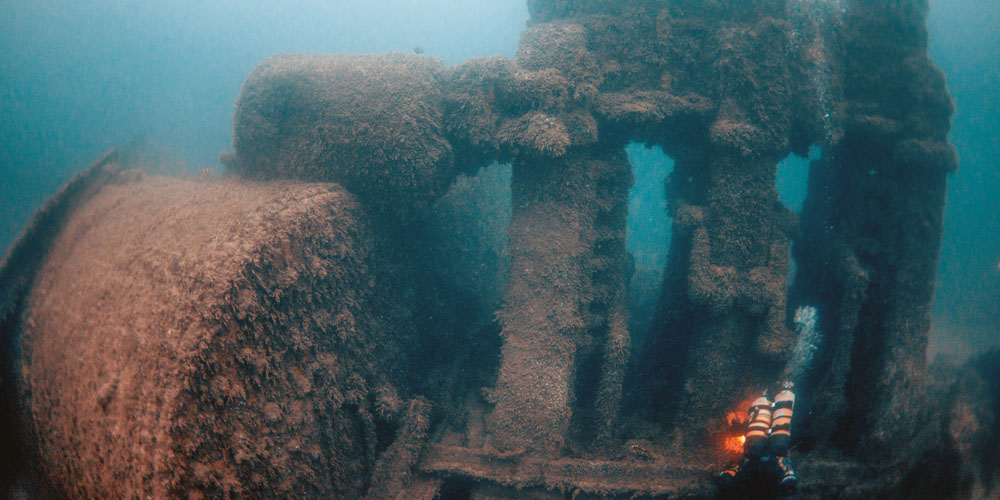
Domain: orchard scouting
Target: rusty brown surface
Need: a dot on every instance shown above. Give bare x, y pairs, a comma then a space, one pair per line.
181, 356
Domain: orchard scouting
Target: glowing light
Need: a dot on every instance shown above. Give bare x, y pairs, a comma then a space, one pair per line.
734, 444
734, 418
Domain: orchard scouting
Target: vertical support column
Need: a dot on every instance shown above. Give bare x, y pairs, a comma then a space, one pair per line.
720, 325
738, 265
872, 230
602, 370
870, 263
563, 319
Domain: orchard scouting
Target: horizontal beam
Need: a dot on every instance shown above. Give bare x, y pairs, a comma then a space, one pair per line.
639, 477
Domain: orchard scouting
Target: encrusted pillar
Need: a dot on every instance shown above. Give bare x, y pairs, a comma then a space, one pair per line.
737, 280
872, 229
565, 343
721, 329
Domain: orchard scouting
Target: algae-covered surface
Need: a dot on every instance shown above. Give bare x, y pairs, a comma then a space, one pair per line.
415, 279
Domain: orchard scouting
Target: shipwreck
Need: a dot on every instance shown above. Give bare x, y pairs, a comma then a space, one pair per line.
324, 321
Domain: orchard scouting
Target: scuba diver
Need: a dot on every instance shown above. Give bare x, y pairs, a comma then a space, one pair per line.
765, 449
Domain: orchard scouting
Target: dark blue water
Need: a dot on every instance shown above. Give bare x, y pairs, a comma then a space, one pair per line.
78, 77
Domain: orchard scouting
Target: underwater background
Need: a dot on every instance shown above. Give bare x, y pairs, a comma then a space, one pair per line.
79, 77
340, 289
